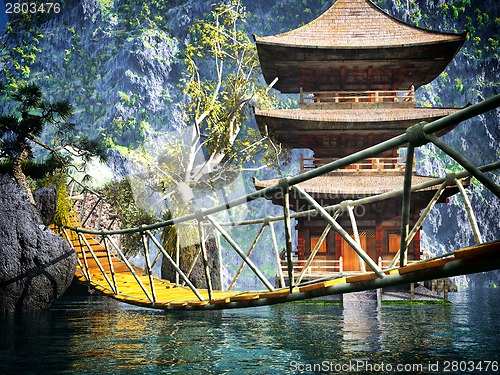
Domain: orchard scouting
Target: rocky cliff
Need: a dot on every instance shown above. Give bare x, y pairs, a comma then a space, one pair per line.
36, 265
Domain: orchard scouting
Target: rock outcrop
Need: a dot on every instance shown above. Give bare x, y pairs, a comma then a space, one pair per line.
36, 265
46, 202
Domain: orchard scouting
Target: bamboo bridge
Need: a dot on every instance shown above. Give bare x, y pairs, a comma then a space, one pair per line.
103, 266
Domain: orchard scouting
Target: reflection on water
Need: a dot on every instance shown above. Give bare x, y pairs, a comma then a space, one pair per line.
95, 335
361, 326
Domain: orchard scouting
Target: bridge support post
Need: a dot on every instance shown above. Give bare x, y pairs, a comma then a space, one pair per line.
240, 252
145, 245
288, 233
405, 214
177, 269
354, 226
336, 226
470, 213
314, 252
421, 220
277, 255
252, 247
208, 279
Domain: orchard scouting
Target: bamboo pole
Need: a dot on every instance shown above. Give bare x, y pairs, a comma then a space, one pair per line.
240, 252
193, 264
390, 144
98, 263
80, 264
421, 220
242, 265
358, 202
336, 226
470, 213
219, 257
313, 253
405, 214
354, 225
84, 256
468, 166
111, 266
156, 259
177, 269
288, 235
149, 270
130, 268
205, 260
277, 255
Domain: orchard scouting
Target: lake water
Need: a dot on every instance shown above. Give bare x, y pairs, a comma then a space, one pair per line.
95, 335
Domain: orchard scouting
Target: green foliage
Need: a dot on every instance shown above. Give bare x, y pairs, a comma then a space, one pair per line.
415, 303
121, 197
21, 129
219, 104
459, 85
63, 206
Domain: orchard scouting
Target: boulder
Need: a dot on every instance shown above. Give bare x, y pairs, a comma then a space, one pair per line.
36, 265
46, 202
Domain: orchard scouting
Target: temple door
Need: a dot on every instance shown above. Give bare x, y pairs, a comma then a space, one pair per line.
350, 257
320, 258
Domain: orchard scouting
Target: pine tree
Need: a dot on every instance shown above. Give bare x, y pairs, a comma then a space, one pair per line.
32, 116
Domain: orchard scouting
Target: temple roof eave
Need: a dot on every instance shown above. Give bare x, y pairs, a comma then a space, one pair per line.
265, 41
350, 37
343, 185
358, 23
292, 118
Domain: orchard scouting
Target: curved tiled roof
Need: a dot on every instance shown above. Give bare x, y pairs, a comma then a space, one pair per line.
352, 185
355, 46
357, 23
363, 116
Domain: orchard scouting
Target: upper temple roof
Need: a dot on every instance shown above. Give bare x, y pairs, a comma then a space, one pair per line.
355, 31
357, 23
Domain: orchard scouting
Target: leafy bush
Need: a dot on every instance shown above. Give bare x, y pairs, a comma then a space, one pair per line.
121, 197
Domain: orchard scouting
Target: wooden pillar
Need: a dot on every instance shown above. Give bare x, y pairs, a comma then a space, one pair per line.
379, 241
338, 245
416, 246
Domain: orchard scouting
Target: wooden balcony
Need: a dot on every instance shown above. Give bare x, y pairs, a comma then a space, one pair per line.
323, 266
372, 165
327, 267
353, 99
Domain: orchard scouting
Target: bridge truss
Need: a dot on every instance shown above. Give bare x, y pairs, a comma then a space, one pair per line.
103, 265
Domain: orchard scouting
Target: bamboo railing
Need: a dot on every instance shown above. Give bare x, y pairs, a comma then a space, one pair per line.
379, 96
104, 266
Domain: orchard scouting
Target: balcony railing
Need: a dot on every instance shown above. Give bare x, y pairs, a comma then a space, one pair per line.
316, 266
394, 164
386, 96
329, 266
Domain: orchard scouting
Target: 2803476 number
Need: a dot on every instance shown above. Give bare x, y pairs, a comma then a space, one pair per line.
32, 7
473, 366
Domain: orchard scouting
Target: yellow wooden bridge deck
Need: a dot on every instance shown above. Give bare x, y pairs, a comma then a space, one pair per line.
168, 295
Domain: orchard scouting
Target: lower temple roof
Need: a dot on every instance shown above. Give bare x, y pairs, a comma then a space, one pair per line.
341, 185
352, 118
300, 128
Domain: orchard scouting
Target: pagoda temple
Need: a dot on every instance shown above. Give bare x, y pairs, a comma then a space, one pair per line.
355, 69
